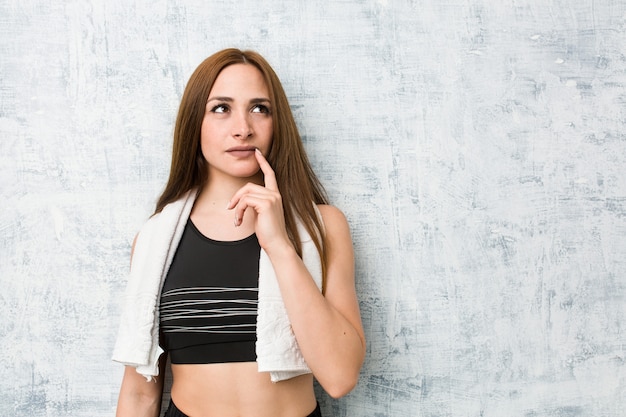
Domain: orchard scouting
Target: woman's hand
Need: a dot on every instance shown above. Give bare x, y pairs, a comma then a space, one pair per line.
266, 202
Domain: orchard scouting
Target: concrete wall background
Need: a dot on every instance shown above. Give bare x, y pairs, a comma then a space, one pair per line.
477, 147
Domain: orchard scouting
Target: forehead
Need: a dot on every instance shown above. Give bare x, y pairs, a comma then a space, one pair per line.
240, 79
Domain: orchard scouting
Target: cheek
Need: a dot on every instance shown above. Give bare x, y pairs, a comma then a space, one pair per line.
267, 127
208, 132
207, 138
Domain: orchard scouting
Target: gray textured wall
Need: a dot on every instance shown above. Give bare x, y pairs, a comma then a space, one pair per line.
477, 148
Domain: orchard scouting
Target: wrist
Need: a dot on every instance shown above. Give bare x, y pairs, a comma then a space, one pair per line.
280, 248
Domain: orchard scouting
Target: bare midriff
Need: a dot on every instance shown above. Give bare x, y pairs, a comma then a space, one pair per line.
239, 390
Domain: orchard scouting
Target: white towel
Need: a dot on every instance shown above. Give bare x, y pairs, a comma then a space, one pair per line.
276, 347
138, 338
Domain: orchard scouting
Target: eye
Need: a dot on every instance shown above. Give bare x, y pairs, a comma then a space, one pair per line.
260, 108
220, 108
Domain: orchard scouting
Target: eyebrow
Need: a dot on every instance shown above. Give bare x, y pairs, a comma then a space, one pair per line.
230, 99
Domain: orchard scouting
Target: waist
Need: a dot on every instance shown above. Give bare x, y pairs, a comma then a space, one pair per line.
238, 389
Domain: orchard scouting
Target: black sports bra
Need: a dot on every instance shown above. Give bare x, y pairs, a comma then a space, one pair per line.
209, 300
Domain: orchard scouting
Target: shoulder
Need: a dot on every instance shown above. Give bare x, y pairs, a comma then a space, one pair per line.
335, 222
167, 220
331, 215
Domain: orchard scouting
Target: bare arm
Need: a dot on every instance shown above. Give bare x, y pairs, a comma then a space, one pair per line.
327, 327
139, 397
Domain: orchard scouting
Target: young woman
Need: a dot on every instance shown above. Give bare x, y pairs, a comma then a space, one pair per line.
244, 275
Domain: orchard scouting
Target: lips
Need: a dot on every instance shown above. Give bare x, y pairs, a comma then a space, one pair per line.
241, 151
241, 148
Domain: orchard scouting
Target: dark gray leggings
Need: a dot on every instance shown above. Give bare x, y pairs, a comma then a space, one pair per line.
172, 411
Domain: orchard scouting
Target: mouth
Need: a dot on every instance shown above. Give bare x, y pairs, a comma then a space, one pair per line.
241, 151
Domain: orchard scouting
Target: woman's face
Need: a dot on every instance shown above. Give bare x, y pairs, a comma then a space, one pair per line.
237, 120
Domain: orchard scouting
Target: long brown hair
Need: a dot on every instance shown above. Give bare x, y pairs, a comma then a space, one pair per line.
297, 182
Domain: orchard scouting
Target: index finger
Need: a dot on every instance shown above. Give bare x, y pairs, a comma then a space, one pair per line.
268, 172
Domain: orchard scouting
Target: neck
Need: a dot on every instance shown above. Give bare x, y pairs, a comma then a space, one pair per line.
218, 190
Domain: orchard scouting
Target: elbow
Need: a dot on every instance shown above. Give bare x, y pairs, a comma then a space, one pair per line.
138, 404
342, 389
345, 378
341, 384
138, 396
341, 375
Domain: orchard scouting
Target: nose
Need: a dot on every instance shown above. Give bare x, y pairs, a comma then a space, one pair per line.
242, 128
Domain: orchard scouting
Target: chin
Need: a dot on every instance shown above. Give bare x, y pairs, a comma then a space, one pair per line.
240, 171
249, 173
